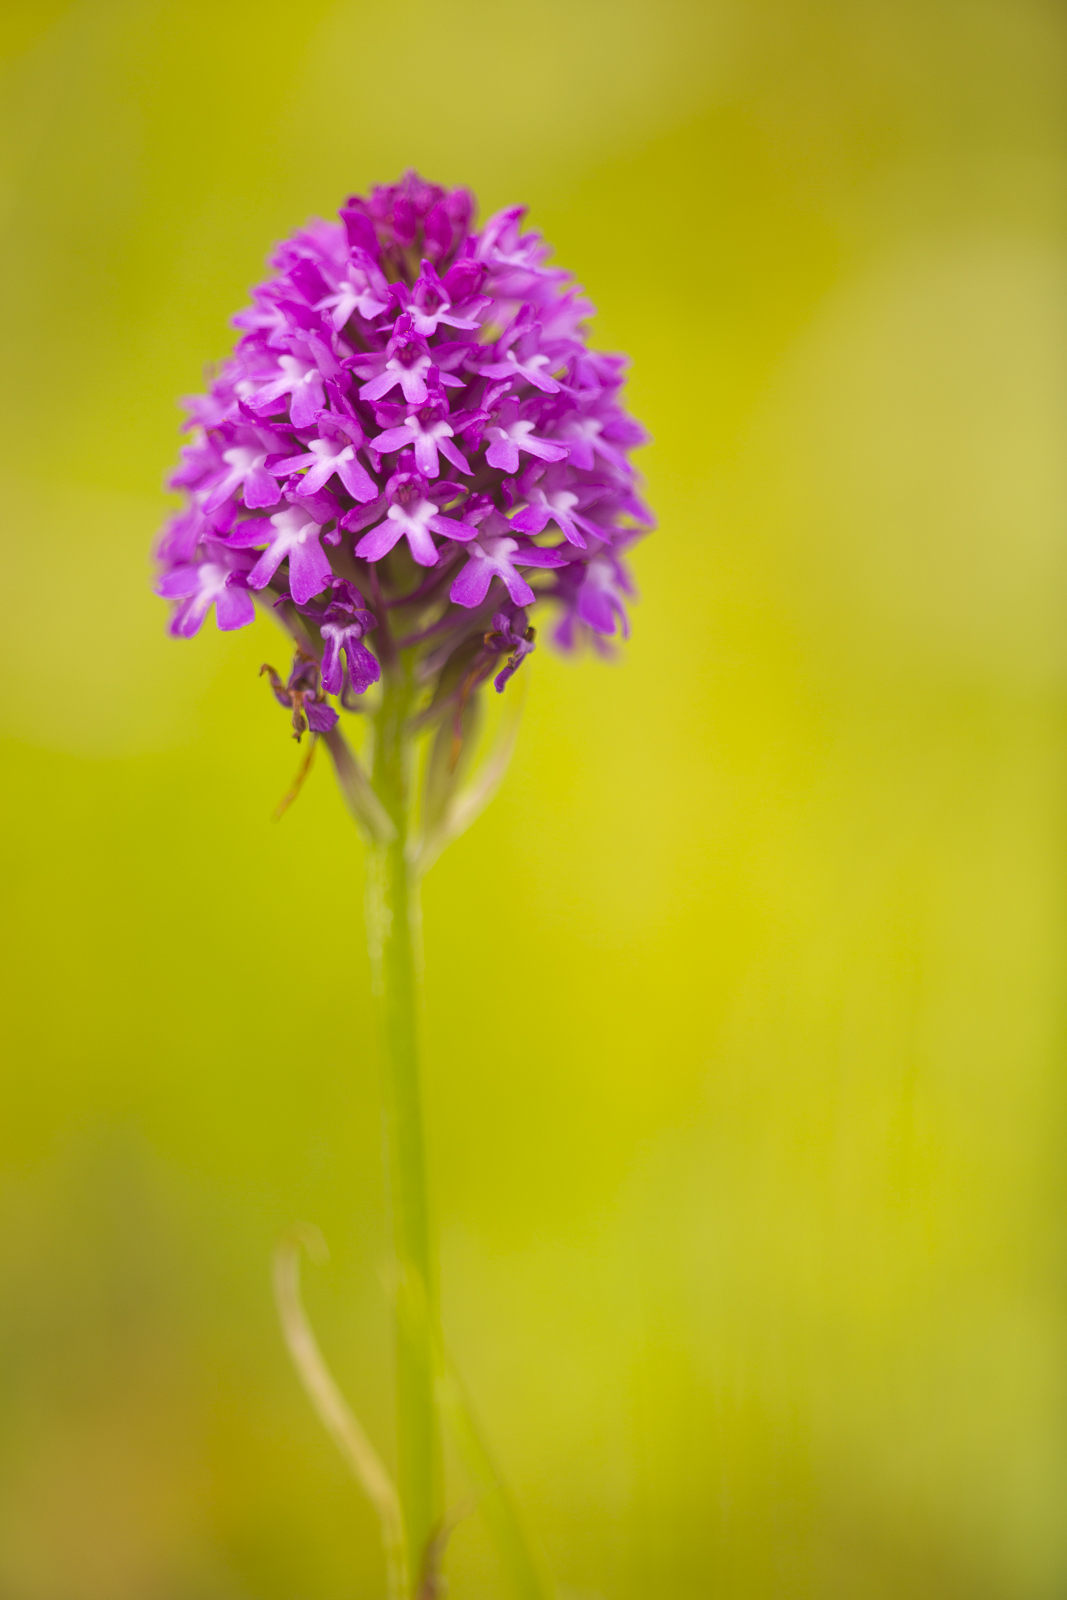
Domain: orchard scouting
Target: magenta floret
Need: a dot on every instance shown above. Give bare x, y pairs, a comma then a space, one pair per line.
412, 413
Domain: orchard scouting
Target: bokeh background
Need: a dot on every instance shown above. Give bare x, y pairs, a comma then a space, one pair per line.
744, 1002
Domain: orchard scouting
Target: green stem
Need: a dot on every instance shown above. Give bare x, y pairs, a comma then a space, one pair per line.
393, 927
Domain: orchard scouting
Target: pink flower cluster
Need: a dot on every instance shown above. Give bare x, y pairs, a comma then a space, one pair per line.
412, 439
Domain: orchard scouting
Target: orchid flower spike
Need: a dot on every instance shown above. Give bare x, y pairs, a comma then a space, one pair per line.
411, 446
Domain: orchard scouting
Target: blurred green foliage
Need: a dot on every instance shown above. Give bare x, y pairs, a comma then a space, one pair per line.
744, 1001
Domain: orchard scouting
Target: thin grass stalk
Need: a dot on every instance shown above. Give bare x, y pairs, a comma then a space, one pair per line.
332, 1408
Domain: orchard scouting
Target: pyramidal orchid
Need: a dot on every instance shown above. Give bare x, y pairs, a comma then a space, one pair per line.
411, 451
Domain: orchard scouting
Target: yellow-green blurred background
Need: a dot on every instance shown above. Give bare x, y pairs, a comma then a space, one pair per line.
744, 1001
